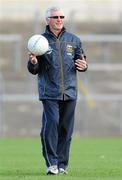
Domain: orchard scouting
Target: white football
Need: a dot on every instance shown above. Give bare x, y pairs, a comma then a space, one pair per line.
38, 44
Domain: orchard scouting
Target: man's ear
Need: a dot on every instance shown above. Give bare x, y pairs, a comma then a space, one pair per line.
47, 21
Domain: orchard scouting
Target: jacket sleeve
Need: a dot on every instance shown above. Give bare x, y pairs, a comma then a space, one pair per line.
36, 68
79, 54
33, 68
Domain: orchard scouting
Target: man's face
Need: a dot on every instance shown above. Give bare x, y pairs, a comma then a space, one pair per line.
56, 20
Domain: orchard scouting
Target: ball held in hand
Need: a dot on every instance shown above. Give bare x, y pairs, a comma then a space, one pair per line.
38, 45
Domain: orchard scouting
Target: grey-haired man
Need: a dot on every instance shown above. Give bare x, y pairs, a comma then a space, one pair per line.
57, 86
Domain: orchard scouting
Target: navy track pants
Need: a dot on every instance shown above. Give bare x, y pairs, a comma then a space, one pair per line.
56, 132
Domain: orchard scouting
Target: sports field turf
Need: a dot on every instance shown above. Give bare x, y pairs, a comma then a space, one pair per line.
90, 159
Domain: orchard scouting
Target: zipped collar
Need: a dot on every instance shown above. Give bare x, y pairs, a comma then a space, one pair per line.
48, 31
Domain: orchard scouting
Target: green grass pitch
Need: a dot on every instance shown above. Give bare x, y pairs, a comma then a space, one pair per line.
90, 159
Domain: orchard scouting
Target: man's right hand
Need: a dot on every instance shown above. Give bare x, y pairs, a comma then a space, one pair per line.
33, 58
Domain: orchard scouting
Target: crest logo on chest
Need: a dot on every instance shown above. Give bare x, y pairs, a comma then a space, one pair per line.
69, 49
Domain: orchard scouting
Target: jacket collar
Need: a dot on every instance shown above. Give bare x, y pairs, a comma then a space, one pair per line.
48, 31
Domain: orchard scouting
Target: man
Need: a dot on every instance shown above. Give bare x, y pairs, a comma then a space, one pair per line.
57, 87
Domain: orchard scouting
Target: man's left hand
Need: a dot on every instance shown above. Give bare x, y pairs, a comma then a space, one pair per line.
81, 64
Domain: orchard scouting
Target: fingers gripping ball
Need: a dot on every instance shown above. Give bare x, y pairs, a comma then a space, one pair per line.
38, 45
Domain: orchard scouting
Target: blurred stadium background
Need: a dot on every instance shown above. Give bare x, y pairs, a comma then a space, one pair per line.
99, 24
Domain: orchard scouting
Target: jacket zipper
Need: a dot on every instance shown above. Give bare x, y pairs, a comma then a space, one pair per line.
61, 64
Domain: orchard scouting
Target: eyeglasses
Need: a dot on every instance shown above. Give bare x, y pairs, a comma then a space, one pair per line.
56, 17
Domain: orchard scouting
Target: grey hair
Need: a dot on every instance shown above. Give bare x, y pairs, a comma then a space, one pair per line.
52, 9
